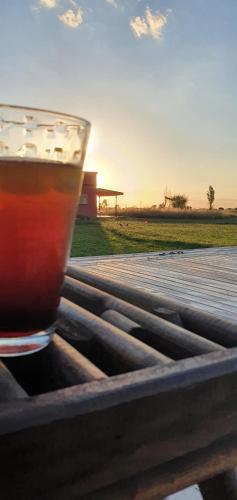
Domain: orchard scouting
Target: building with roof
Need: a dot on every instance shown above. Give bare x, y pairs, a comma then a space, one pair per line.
88, 201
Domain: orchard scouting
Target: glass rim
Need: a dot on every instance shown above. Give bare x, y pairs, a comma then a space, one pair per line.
49, 112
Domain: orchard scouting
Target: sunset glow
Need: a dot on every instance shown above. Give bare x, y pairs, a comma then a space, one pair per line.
100, 180
157, 79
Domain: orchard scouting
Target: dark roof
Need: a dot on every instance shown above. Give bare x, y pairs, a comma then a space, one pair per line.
107, 192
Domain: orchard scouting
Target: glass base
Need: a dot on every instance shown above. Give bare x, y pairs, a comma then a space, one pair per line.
20, 346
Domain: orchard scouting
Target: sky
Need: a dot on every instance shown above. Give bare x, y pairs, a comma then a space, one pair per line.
156, 78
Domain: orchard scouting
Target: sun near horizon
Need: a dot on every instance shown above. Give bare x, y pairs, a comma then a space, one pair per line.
157, 80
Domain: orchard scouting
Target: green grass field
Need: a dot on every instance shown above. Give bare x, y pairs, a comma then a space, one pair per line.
111, 236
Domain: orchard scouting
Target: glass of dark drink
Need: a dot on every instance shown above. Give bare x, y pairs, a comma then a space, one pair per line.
41, 159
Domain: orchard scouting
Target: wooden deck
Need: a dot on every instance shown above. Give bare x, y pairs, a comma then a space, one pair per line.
204, 278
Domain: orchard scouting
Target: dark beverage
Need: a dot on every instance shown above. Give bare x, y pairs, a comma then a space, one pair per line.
38, 200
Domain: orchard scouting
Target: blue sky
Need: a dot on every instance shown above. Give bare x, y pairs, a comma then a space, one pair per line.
157, 79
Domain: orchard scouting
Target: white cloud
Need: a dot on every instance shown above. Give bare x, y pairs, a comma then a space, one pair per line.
113, 3
71, 18
139, 26
156, 23
50, 4
150, 25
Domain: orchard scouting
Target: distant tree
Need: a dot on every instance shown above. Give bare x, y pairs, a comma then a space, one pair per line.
104, 204
211, 197
179, 201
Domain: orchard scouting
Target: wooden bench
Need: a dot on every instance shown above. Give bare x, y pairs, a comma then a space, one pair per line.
135, 398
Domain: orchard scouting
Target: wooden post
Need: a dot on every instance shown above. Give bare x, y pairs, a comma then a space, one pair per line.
116, 208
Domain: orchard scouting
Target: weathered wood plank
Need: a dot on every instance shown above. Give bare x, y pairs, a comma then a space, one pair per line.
58, 365
176, 281
168, 273
180, 473
70, 366
206, 278
204, 324
221, 301
126, 352
168, 338
100, 433
125, 324
204, 253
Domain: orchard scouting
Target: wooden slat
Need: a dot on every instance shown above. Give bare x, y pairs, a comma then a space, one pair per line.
215, 329
205, 278
171, 339
215, 489
219, 487
180, 265
199, 300
58, 365
100, 433
171, 477
166, 275
70, 366
134, 329
221, 300
141, 435
127, 352
126, 324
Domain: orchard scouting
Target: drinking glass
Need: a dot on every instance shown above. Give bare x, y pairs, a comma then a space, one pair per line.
41, 159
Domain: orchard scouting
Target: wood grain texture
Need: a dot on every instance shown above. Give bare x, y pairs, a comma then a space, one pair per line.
173, 476
202, 323
127, 352
206, 279
70, 366
58, 365
103, 432
173, 340
127, 325
87, 432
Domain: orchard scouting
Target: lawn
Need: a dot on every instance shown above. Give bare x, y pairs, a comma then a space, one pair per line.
111, 236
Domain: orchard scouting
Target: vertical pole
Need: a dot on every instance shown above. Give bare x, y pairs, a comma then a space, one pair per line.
116, 208
99, 203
